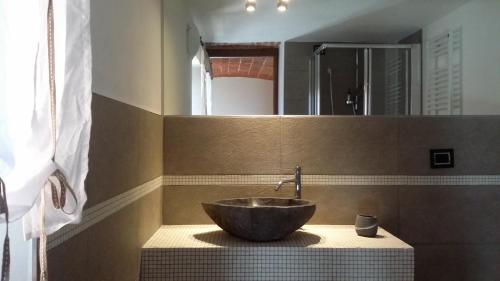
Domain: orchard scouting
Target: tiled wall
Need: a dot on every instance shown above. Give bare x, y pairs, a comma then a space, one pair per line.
125, 151
324, 145
297, 55
454, 228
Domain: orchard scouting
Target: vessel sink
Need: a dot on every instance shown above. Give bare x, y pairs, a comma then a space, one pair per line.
260, 219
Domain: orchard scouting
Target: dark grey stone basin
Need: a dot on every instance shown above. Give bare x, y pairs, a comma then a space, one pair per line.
260, 219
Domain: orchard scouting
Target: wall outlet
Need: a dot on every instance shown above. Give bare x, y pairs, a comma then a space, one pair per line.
442, 158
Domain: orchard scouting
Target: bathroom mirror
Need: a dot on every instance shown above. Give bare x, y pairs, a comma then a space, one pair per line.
363, 58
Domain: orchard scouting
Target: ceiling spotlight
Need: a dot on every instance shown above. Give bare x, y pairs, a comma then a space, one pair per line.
282, 5
250, 5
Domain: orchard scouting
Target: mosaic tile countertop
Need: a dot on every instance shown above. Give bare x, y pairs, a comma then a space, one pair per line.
313, 253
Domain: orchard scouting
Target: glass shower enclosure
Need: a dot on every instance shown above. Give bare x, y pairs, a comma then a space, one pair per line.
365, 79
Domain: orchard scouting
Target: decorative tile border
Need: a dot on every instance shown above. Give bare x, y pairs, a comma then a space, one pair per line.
205, 180
223, 179
102, 210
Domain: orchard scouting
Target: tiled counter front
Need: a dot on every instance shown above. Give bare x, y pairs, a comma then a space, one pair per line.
315, 253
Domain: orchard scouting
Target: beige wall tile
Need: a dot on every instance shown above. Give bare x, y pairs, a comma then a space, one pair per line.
221, 145
339, 145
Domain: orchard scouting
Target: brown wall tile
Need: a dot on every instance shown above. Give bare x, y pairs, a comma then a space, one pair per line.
341, 204
182, 204
110, 249
125, 149
221, 145
340, 145
475, 140
112, 149
114, 254
453, 228
457, 262
329, 145
296, 72
149, 213
335, 205
150, 147
70, 260
444, 214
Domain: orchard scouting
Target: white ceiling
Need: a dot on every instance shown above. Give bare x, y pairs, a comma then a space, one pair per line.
377, 21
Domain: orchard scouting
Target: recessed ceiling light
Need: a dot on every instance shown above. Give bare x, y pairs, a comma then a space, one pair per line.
282, 5
250, 6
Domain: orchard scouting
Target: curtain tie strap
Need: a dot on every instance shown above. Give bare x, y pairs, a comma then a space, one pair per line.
42, 247
4, 209
59, 187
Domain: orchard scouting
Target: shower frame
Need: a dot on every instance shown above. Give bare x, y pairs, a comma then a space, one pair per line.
413, 69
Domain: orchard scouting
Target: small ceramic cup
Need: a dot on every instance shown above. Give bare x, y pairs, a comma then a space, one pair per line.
366, 225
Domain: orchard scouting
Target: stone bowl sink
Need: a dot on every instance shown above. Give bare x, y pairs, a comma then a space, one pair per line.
260, 219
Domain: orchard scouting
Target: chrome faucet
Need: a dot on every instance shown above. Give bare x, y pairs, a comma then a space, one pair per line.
296, 180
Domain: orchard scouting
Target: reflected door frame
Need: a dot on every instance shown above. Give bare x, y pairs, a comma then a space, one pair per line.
250, 50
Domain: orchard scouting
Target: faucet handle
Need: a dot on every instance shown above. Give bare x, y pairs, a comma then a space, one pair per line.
298, 170
296, 180
278, 186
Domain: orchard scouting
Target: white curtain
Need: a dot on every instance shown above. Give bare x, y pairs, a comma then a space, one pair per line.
206, 81
25, 121
206, 90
